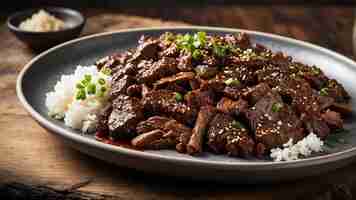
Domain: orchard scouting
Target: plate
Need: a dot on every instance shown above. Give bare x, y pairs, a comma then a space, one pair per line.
39, 76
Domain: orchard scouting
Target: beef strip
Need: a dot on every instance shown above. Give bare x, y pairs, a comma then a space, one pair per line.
103, 118
119, 85
165, 102
234, 108
253, 94
332, 118
198, 98
147, 50
134, 90
155, 139
178, 133
185, 63
177, 78
149, 72
113, 61
225, 135
126, 113
196, 141
274, 122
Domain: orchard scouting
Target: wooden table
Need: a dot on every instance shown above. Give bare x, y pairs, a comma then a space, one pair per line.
30, 155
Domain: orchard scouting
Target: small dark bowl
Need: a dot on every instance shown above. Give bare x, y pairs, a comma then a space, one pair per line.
73, 20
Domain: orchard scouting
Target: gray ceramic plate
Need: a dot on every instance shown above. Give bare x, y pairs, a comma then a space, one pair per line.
39, 76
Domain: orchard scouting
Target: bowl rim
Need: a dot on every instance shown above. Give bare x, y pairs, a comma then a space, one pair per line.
73, 12
226, 165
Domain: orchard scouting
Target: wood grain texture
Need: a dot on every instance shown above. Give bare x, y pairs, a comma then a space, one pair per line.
30, 155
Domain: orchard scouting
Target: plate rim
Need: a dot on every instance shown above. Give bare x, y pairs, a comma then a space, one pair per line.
227, 165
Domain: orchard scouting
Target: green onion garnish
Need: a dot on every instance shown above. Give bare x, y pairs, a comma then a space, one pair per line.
276, 107
80, 86
324, 92
87, 77
91, 88
101, 92
315, 70
196, 55
237, 124
103, 89
106, 71
232, 82
199, 39
81, 95
101, 81
178, 96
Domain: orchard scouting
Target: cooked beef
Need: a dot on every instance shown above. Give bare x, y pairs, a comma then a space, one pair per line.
337, 91
198, 98
225, 135
126, 113
175, 79
166, 102
332, 118
147, 50
185, 63
342, 108
171, 51
234, 108
196, 141
134, 90
103, 118
178, 133
119, 85
113, 61
255, 93
185, 91
316, 124
149, 72
274, 122
206, 71
155, 139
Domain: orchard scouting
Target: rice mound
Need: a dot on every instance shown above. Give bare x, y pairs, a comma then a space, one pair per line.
305, 147
42, 21
78, 114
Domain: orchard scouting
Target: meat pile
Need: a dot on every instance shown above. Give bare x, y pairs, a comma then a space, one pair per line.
199, 92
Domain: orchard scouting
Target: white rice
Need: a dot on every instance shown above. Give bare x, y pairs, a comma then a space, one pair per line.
42, 21
302, 148
77, 114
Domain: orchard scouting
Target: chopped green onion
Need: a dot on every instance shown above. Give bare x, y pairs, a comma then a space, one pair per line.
196, 55
232, 82
199, 39
237, 124
101, 81
276, 107
169, 37
87, 77
315, 70
178, 96
81, 95
103, 89
80, 86
220, 50
106, 71
91, 88
85, 82
324, 92
101, 92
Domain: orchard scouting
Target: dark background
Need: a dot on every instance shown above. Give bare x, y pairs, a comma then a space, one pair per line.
16, 4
